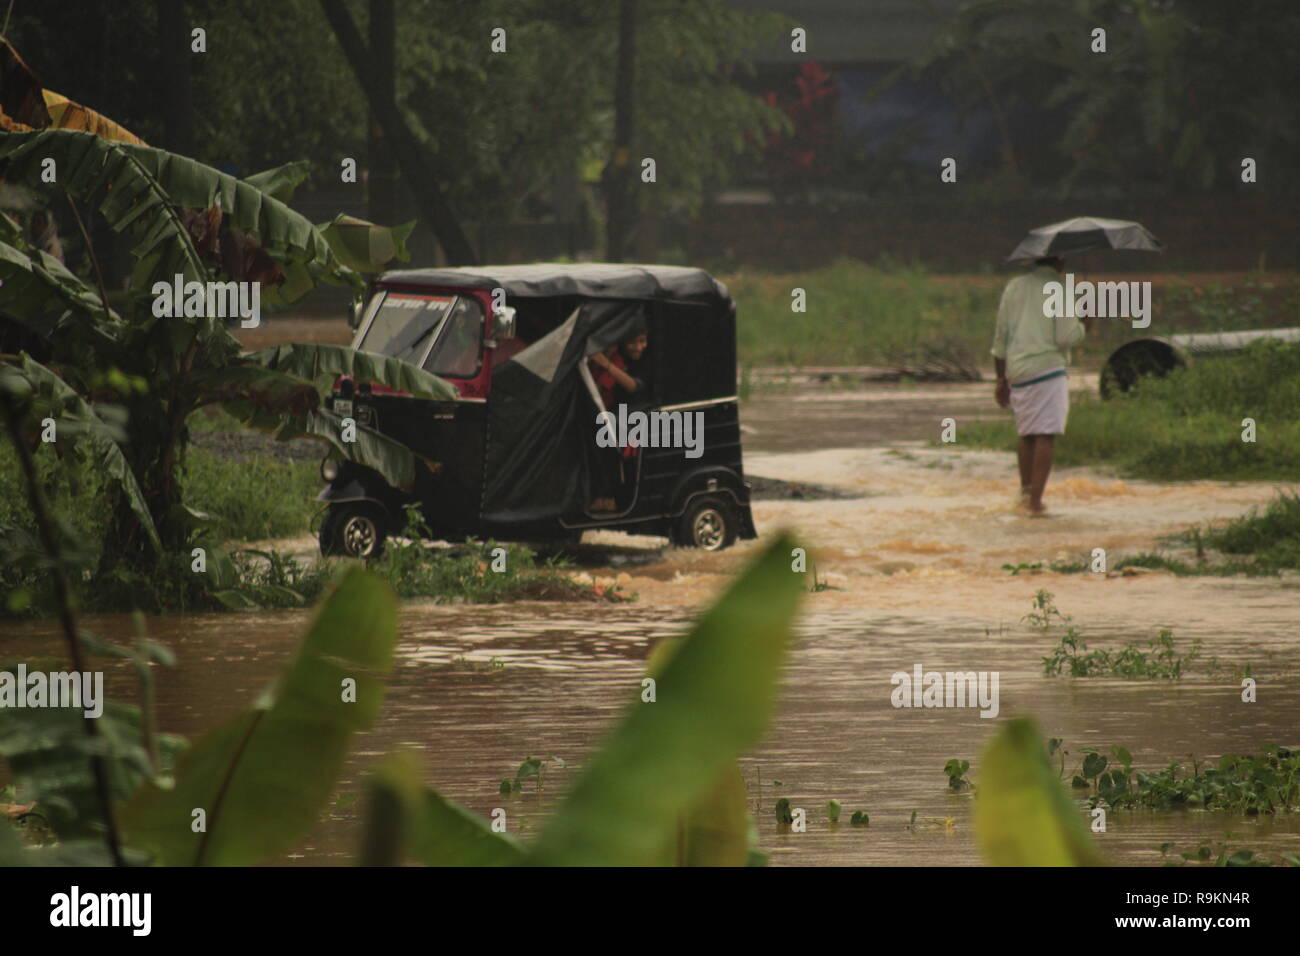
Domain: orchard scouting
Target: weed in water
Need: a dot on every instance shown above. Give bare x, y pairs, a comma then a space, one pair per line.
956, 771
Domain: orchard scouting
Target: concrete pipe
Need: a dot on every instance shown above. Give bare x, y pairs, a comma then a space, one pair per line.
1160, 356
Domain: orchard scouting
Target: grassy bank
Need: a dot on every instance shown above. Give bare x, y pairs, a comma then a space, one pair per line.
861, 315
1257, 544
252, 500
896, 315
247, 488
1188, 425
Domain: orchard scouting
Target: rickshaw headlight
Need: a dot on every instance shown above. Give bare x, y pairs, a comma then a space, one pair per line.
329, 469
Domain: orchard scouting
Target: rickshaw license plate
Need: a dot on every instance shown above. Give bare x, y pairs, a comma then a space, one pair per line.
343, 407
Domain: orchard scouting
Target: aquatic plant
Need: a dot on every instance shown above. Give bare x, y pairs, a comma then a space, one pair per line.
1160, 660
1226, 856
956, 771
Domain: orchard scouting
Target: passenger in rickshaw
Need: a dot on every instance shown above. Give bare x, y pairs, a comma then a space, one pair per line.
611, 367
611, 373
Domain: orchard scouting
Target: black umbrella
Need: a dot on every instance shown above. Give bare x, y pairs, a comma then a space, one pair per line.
1083, 233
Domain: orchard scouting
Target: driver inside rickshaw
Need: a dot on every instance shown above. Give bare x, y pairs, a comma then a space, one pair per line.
612, 371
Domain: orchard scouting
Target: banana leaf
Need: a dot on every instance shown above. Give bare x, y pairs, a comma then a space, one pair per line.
264, 777
38, 288
313, 361
281, 182
407, 819
364, 246
373, 449
714, 699
139, 188
273, 391
714, 831
79, 425
1023, 816
65, 114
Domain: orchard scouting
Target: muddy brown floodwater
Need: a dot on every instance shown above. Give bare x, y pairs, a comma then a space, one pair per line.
915, 566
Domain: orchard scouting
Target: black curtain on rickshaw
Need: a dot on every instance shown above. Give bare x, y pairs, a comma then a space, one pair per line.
541, 440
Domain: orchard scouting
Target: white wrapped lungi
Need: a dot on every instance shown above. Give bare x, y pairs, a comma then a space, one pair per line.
1042, 405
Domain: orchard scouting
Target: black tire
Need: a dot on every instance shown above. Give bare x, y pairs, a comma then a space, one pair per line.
354, 529
709, 523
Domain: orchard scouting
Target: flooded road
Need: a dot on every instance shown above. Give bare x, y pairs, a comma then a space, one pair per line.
916, 572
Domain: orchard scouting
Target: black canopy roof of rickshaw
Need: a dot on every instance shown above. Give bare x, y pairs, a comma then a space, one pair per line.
595, 280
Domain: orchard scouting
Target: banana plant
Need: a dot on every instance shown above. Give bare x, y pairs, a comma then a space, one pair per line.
183, 218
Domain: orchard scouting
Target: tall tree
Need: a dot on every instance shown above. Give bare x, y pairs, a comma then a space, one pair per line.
410, 156
381, 170
619, 177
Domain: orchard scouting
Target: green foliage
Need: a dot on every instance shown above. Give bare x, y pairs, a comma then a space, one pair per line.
956, 772
1266, 782
1023, 817
48, 752
138, 188
161, 369
1144, 116
1071, 656
271, 579
833, 808
1226, 856
860, 315
1161, 659
531, 767
715, 829
414, 569
665, 787
1044, 612
1187, 425
251, 500
782, 811
1270, 538
34, 393
406, 820
261, 758
664, 756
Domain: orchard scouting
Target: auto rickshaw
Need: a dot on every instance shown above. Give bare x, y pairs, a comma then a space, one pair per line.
515, 456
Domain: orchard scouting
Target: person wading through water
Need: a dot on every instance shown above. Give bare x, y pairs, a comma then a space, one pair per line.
1031, 351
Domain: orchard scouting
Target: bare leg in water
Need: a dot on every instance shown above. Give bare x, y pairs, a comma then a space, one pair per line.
1040, 467
1025, 459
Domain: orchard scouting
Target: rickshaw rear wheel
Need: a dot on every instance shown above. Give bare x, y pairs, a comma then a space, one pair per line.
708, 523
354, 529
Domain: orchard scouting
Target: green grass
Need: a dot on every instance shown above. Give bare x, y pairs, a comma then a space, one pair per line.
1270, 538
478, 573
860, 315
892, 314
1187, 425
1256, 544
252, 500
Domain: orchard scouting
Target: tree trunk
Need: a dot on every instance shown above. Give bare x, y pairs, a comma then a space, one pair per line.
416, 170
382, 178
619, 176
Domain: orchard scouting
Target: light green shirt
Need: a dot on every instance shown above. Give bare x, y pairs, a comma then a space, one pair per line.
1031, 342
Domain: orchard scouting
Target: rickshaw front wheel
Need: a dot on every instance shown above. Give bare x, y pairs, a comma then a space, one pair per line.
354, 529
708, 524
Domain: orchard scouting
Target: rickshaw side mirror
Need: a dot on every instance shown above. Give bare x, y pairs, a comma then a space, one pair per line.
355, 313
503, 324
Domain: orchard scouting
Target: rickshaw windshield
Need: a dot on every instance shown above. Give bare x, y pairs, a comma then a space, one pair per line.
457, 352
404, 325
